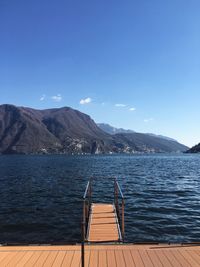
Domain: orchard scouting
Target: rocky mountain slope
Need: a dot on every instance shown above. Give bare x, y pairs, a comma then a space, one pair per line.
26, 130
194, 149
113, 130
65, 130
149, 143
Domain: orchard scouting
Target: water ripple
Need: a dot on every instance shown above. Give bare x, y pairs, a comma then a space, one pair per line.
41, 196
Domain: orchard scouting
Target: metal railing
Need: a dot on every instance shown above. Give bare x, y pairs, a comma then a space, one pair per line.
119, 206
87, 200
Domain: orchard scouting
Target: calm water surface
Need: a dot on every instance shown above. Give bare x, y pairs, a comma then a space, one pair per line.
40, 196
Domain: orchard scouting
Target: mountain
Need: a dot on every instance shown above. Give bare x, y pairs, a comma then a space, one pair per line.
112, 130
22, 131
65, 130
26, 130
162, 136
194, 149
149, 143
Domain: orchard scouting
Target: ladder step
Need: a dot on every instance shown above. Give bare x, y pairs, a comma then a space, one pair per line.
103, 224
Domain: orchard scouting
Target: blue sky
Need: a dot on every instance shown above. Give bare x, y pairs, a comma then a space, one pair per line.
134, 64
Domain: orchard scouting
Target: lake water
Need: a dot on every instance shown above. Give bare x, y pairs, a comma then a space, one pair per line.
41, 196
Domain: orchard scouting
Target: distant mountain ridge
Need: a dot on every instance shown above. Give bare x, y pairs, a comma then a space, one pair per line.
150, 144
163, 137
65, 130
194, 149
112, 130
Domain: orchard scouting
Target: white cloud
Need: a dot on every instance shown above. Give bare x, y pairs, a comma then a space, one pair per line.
57, 98
120, 105
42, 98
148, 120
85, 101
132, 109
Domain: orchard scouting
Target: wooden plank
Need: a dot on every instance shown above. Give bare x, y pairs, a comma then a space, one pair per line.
68, 259
100, 206
104, 235
128, 258
76, 259
104, 240
102, 215
163, 258
50, 259
198, 251
104, 220
42, 259
174, 262
180, 258
87, 258
93, 258
194, 255
103, 228
33, 259
154, 258
15, 260
3, 255
146, 259
189, 258
102, 258
59, 259
8, 258
104, 231
137, 258
119, 258
24, 260
101, 255
111, 262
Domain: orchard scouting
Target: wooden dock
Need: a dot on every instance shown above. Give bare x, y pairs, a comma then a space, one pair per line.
101, 256
103, 224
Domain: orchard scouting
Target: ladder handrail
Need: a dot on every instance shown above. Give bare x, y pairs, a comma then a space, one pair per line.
86, 189
120, 210
119, 188
119, 207
87, 197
